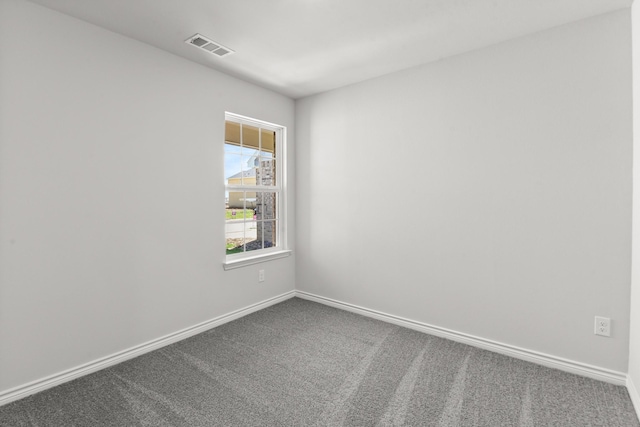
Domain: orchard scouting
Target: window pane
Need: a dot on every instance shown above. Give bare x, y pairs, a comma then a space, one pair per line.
234, 245
250, 137
270, 206
250, 201
251, 241
266, 172
234, 226
267, 232
232, 132
268, 141
232, 168
235, 204
249, 164
265, 205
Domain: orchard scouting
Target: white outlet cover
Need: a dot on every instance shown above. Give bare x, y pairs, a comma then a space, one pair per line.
602, 326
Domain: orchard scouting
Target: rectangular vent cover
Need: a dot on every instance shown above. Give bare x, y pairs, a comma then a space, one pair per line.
208, 45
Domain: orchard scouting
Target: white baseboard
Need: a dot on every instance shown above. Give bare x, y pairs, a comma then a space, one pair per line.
634, 395
96, 365
614, 377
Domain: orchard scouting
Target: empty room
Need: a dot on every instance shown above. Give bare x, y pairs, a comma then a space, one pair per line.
319, 212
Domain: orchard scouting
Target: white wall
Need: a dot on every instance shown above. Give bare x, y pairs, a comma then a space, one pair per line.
488, 193
634, 344
112, 193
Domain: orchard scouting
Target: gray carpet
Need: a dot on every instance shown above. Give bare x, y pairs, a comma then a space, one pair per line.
299, 363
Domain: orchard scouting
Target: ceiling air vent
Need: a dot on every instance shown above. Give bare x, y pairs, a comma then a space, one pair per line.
209, 45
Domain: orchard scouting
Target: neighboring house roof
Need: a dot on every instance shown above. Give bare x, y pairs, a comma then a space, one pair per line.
251, 173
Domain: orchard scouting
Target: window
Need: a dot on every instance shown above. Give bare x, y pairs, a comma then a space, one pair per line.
254, 196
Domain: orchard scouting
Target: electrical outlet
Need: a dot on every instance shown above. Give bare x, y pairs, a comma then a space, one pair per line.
260, 275
603, 326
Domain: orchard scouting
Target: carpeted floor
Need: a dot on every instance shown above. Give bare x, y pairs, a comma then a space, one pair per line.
300, 363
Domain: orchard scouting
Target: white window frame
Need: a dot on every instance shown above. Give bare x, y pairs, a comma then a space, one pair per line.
280, 249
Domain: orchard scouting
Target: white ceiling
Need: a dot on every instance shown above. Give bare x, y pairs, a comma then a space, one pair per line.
302, 47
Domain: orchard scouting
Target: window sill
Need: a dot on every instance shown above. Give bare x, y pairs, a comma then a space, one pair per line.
243, 262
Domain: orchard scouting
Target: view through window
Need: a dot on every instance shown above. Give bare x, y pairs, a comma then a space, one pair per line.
253, 193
